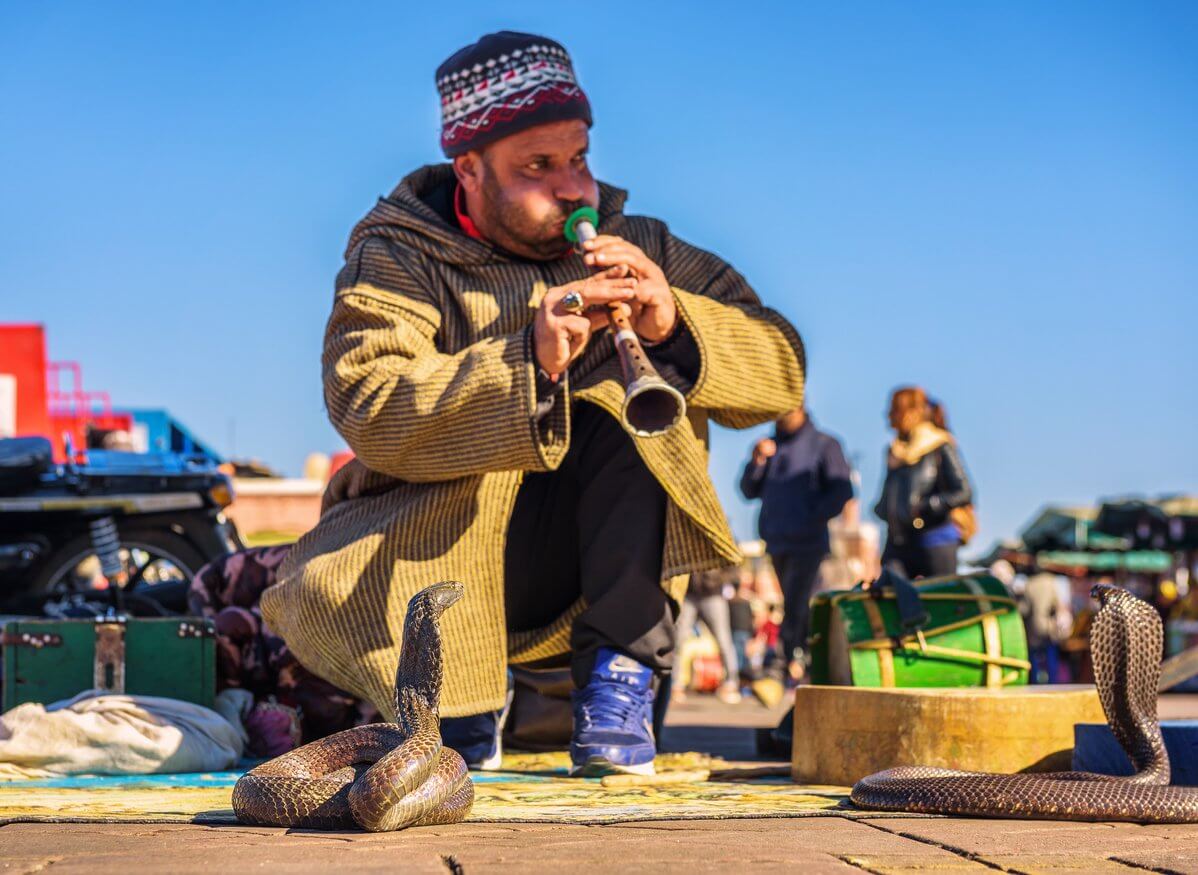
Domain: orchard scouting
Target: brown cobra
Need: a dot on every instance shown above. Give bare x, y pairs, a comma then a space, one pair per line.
384, 776
1125, 643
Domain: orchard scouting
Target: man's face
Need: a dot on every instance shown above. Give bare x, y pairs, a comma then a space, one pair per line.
519, 190
792, 421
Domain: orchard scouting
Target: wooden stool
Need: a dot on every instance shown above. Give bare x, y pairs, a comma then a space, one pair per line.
843, 734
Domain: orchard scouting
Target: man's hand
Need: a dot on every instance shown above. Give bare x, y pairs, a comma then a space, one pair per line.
559, 337
654, 313
764, 451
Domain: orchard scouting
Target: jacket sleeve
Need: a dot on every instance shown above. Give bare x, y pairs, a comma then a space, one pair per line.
881, 508
952, 482
836, 481
752, 361
753, 479
410, 411
677, 359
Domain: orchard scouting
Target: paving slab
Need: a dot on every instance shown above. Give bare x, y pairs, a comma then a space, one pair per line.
1160, 861
1038, 845
815, 845
818, 844
19, 865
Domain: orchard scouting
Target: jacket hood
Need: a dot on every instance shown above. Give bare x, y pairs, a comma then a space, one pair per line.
404, 217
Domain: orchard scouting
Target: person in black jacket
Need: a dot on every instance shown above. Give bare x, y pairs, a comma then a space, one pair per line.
925, 483
803, 481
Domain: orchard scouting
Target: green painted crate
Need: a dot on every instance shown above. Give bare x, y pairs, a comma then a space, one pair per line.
50, 660
974, 637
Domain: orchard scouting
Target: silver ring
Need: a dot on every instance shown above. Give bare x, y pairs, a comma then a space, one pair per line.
572, 302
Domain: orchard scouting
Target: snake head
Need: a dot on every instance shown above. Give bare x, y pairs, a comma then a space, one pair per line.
1105, 594
440, 596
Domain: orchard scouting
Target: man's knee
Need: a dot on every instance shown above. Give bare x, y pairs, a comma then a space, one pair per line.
604, 446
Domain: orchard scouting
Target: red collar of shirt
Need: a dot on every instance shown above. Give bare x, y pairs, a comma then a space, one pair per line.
467, 224
464, 220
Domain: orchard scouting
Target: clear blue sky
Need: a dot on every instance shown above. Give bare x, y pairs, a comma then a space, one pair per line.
998, 200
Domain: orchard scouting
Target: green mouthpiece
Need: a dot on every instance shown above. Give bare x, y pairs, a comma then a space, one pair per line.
588, 214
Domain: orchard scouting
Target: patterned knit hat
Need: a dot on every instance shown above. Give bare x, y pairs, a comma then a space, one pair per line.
505, 83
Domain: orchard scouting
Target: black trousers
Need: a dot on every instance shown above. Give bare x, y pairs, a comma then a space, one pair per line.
798, 574
594, 528
915, 560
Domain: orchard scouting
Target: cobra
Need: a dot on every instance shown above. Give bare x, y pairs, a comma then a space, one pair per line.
1125, 643
385, 776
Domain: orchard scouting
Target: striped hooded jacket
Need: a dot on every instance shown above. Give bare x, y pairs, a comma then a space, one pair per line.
429, 376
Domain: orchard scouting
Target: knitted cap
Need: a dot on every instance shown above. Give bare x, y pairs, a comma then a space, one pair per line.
502, 84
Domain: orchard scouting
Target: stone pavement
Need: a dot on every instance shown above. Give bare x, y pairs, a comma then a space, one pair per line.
819, 844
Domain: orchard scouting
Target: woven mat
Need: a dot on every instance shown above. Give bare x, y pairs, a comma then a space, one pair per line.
531, 788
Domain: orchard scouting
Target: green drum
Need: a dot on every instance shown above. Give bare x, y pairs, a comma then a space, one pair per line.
973, 637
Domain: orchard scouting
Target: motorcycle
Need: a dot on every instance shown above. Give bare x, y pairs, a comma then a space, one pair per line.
121, 530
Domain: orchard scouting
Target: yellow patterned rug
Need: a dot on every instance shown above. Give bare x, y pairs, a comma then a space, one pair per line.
532, 788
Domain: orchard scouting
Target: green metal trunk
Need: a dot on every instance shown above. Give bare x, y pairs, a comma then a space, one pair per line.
974, 637
49, 660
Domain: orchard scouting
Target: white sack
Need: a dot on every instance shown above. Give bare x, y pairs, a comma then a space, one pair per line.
102, 734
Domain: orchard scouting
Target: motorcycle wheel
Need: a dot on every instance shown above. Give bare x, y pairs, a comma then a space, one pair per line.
158, 558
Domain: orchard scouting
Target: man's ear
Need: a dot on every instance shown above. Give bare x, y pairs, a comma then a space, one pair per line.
468, 168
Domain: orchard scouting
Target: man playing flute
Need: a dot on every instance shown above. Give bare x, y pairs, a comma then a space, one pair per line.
482, 398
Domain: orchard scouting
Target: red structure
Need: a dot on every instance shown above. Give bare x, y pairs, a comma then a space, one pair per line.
23, 360
33, 400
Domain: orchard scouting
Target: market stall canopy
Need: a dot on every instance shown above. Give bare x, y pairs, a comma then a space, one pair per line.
1135, 561
1163, 524
1068, 528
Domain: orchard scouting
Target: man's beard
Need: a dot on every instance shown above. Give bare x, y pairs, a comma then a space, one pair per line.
543, 238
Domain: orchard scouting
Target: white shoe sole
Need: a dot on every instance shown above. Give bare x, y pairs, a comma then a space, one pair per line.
597, 767
494, 761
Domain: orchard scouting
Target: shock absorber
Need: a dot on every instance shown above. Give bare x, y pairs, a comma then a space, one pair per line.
106, 541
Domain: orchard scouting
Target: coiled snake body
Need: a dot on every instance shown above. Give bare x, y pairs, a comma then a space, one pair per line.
1125, 642
384, 776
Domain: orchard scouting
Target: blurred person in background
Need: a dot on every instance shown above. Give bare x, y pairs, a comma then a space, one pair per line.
757, 600
803, 481
706, 600
744, 627
926, 499
1047, 618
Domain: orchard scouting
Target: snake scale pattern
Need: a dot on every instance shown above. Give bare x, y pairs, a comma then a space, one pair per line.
1125, 641
384, 776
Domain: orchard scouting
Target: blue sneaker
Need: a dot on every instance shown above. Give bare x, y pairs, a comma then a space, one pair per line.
613, 718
